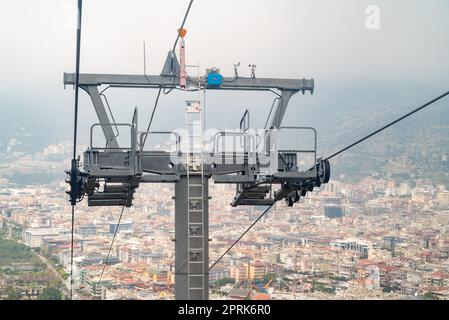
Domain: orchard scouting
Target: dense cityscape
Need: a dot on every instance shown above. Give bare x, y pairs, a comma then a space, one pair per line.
378, 238
224, 159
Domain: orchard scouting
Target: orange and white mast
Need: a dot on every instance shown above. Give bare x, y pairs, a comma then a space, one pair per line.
182, 59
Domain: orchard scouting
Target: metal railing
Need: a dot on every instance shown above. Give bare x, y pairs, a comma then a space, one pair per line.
92, 152
250, 152
302, 150
143, 134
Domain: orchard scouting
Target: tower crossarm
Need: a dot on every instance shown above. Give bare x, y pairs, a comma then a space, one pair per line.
229, 83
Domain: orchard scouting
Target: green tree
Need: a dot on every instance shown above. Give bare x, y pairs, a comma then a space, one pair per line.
13, 294
223, 282
11, 251
430, 296
50, 294
268, 277
62, 273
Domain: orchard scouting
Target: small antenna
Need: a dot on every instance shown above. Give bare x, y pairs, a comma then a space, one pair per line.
236, 71
144, 59
253, 70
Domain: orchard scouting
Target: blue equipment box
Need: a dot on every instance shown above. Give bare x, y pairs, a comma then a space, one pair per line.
214, 79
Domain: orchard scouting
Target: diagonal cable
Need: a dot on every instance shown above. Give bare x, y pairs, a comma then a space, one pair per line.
74, 168
152, 116
389, 125
174, 77
182, 24
112, 244
243, 234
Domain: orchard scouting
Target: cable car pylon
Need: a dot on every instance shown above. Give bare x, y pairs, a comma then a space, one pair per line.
263, 172
76, 188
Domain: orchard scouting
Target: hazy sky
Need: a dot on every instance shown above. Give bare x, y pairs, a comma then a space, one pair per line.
321, 38
324, 39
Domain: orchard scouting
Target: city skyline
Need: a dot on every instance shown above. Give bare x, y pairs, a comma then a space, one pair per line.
377, 230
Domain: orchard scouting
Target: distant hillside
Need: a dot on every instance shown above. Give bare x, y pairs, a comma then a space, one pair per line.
416, 147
